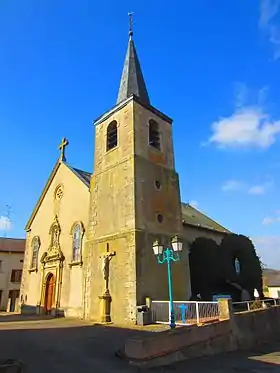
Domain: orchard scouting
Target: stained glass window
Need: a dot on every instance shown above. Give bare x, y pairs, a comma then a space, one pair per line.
77, 243
35, 250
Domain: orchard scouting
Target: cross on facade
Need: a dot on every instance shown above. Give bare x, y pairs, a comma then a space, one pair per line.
130, 23
184, 308
62, 147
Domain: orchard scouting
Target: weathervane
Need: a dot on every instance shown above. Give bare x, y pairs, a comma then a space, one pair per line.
130, 23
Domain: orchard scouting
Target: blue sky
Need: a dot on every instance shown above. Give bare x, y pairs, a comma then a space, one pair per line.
212, 66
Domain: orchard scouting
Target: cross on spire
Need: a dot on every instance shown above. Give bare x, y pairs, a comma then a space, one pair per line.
130, 23
62, 147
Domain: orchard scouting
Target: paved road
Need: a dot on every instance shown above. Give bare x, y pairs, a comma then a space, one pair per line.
262, 360
61, 345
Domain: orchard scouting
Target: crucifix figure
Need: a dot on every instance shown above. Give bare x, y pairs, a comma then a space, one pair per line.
106, 258
62, 147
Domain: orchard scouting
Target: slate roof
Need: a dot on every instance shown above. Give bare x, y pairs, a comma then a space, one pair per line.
272, 277
12, 245
132, 80
192, 216
82, 175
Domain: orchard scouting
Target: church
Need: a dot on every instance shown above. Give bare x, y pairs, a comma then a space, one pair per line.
89, 240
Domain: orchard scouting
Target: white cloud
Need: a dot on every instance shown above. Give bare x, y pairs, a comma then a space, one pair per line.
272, 219
193, 203
268, 11
232, 185
245, 127
268, 220
237, 185
241, 94
260, 189
268, 248
274, 38
262, 96
5, 223
257, 189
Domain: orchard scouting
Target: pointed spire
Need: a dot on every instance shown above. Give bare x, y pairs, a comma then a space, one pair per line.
132, 81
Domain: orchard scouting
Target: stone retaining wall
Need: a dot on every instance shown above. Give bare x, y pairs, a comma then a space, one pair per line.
233, 332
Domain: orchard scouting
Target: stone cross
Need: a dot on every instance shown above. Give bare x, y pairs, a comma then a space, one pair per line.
184, 308
106, 258
62, 147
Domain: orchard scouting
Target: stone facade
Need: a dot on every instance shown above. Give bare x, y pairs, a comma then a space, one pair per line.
63, 211
124, 204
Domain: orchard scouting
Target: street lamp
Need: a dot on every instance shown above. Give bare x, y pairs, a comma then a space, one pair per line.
169, 255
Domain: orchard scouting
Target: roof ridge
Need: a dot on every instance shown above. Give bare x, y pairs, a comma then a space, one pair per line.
81, 174
11, 238
79, 169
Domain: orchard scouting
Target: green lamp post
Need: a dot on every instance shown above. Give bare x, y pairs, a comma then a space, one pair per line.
168, 256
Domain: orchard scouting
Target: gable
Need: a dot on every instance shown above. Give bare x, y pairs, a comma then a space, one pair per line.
192, 216
82, 176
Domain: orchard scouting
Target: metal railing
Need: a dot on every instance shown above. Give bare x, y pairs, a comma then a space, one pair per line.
255, 304
186, 312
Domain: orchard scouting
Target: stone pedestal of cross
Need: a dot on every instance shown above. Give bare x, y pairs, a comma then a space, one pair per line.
106, 298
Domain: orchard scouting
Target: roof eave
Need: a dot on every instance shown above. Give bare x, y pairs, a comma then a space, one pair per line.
199, 226
122, 104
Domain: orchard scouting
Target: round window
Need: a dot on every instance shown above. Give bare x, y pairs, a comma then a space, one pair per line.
160, 218
58, 193
158, 184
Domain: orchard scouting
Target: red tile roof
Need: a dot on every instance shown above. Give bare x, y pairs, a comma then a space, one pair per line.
13, 245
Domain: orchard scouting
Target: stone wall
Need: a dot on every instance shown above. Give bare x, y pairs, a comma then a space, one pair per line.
152, 276
233, 331
123, 213
122, 280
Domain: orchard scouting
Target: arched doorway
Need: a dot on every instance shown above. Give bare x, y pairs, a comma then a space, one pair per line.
49, 294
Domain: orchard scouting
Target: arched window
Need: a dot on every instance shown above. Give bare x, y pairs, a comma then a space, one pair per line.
112, 135
35, 250
154, 134
77, 234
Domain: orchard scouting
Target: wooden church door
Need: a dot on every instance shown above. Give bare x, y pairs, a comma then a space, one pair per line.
50, 285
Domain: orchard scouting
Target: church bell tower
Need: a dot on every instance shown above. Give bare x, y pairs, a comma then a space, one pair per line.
134, 200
